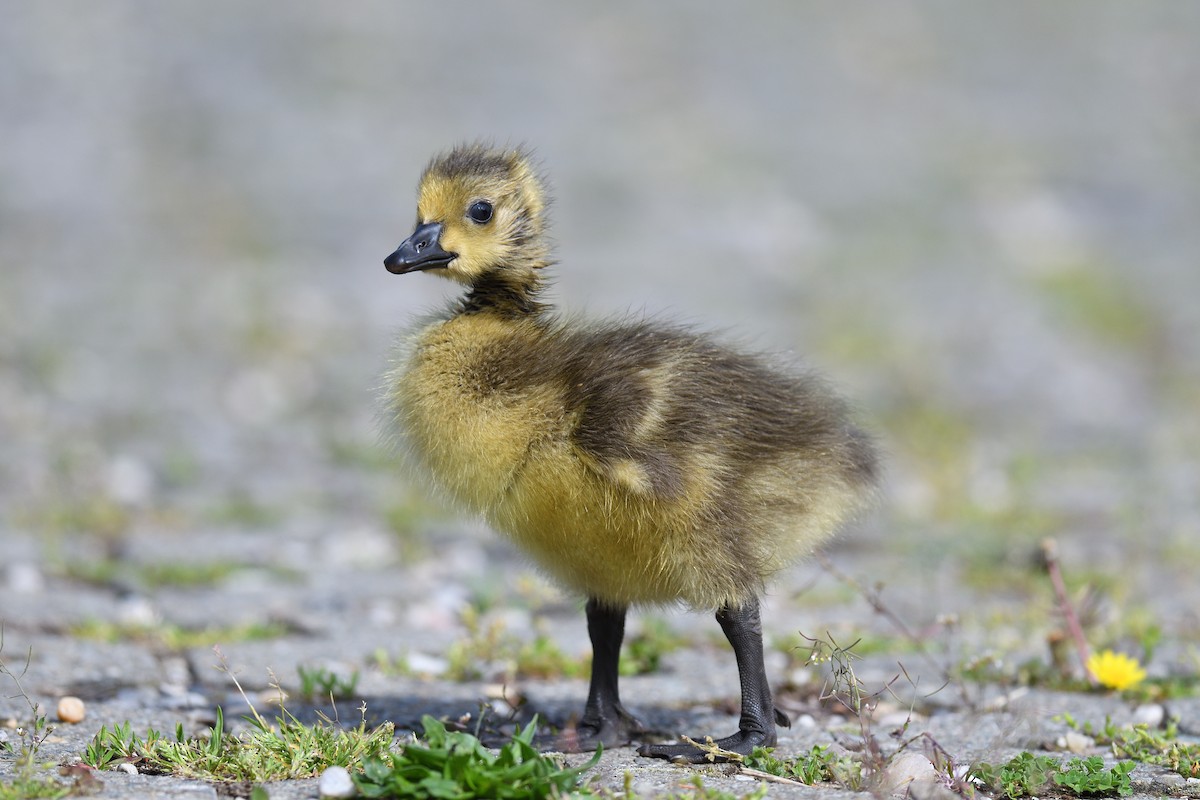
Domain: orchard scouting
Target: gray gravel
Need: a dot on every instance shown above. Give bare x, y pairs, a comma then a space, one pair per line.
979, 221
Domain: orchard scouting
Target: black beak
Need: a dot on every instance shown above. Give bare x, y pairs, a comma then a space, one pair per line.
422, 250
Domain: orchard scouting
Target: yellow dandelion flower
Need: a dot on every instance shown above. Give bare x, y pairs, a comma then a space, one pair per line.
1115, 670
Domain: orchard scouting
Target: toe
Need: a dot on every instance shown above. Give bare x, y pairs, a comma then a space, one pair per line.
741, 743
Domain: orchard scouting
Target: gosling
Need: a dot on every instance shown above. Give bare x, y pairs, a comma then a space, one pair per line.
638, 463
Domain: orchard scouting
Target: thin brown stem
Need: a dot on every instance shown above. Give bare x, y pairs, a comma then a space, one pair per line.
1050, 554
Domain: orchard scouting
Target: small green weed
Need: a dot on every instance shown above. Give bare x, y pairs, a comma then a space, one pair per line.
1089, 776
1022, 776
319, 683
818, 765
1139, 743
454, 765
1027, 775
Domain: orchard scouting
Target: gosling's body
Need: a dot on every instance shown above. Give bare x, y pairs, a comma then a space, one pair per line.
637, 463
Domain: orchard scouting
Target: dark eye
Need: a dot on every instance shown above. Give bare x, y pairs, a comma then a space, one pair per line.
480, 212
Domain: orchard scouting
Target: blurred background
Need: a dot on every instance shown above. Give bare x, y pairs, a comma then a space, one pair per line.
981, 221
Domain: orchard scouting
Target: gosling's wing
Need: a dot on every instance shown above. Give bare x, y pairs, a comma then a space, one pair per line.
654, 404
621, 390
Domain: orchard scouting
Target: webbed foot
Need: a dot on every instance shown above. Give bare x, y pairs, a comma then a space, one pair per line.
605, 721
613, 728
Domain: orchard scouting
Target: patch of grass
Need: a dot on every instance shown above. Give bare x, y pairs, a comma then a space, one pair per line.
1027, 775
183, 574
180, 467
1094, 299
824, 594
454, 765
488, 649
1171, 687
938, 442
691, 789
365, 454
176, 637
385, 662
322, 683
696, 790
404, 519
1030, 672
643, 653
542, 658
856, 341
282, 750
92, 513
239, 509
26, 785
481, 649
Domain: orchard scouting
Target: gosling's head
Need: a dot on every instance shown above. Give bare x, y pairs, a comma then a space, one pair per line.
480, 216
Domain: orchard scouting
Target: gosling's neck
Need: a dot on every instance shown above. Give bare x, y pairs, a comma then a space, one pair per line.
505, 294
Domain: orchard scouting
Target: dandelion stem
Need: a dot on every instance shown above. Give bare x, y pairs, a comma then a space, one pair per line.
1050, 554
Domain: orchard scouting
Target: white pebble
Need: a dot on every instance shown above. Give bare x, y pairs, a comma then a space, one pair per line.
136, 610
425, 664
126, 767
71, 709
906, 769
335, 782
1074, 742
24, 577
130, 481
1149, 714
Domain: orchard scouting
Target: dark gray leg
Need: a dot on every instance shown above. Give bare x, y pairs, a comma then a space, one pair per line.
605, 721
743, 629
